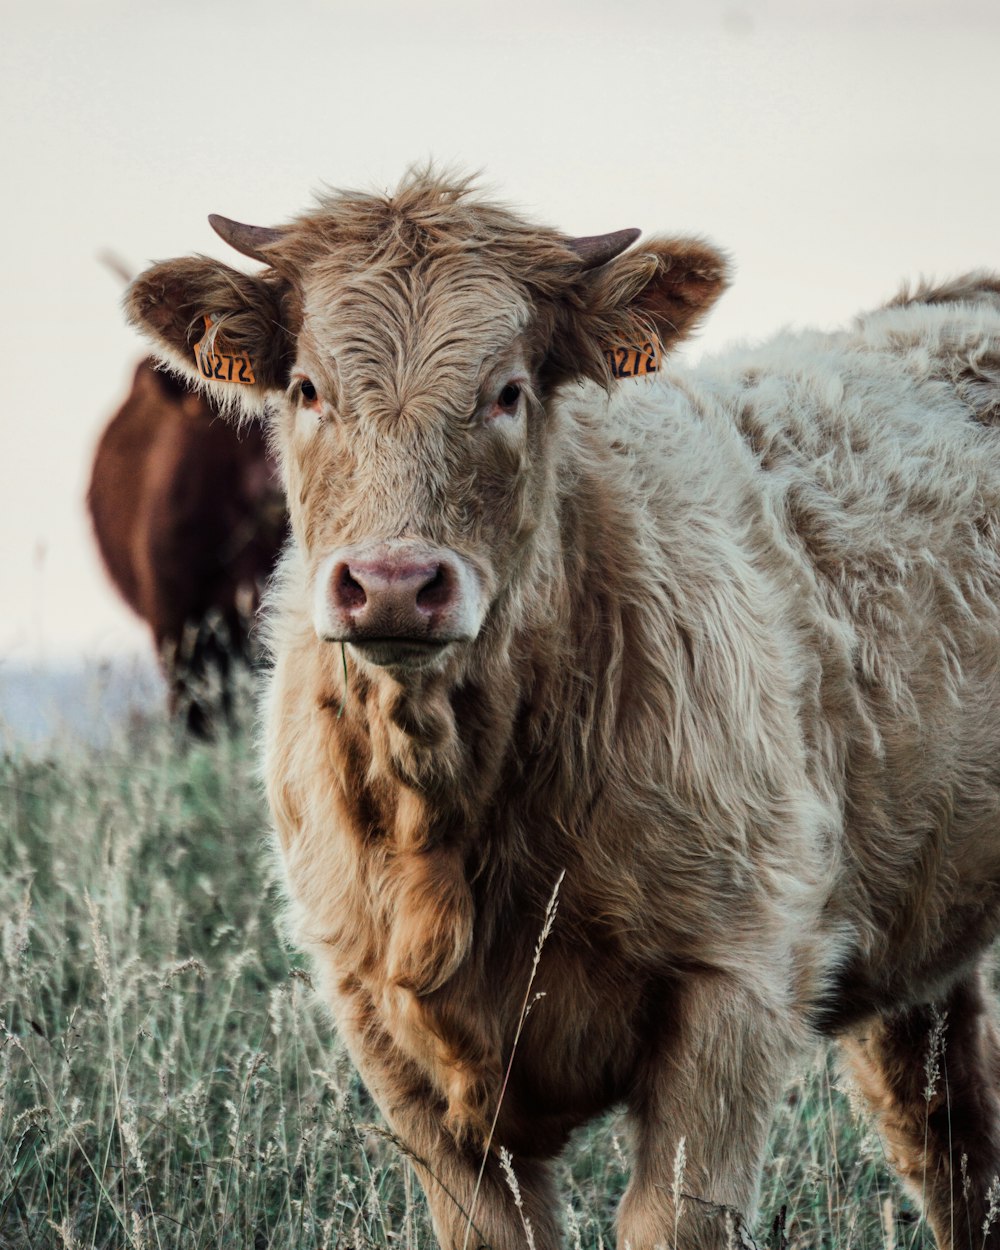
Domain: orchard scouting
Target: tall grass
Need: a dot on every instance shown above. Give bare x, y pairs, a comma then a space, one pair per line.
168, 1078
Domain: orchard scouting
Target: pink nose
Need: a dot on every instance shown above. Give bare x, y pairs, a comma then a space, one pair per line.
392, 597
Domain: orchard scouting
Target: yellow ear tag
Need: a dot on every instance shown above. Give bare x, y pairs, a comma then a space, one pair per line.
634, 360
216, 364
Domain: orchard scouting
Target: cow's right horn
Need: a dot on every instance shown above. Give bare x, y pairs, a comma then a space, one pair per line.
598, 249
249, 240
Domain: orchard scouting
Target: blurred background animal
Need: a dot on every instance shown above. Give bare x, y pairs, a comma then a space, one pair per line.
189, 517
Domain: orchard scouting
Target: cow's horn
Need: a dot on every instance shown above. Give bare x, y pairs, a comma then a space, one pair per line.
598, 249
250, 240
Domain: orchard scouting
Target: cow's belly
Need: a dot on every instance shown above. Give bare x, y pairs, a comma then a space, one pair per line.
915, 964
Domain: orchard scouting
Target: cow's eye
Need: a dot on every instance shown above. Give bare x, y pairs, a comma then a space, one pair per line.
309, 393
509, 396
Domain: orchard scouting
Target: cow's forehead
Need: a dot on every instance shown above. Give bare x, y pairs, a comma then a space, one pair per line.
398, 331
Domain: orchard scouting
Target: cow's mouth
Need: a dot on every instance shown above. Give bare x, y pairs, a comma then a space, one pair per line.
400, 652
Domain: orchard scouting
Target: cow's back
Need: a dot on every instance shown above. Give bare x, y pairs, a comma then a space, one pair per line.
867, 462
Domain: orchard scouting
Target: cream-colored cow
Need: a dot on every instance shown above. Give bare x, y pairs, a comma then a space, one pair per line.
722, 647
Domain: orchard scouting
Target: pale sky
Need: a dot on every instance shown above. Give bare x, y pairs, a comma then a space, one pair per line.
833, 150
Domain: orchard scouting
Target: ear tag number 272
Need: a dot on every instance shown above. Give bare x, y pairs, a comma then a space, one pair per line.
216, 364
633, 360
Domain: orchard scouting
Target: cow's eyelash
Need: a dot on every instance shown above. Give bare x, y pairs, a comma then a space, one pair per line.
490, 393
304, 391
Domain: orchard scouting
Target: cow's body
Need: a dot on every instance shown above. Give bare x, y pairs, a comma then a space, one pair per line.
189, 520
735, 672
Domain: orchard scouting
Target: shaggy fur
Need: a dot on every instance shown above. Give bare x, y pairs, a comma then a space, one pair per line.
737, 678
189, 519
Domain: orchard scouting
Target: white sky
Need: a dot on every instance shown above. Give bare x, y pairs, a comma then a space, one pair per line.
833, 150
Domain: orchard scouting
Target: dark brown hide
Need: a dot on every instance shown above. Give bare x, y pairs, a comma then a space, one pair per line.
189, 519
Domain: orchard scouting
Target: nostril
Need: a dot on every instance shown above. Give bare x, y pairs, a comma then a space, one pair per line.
348, 593
438, 591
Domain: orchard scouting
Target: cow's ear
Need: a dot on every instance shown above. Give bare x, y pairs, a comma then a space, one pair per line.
622, 317
219, 327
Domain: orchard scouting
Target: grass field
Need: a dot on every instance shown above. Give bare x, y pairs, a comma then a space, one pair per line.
168, 1078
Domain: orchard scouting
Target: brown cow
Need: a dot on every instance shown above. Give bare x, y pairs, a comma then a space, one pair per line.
722, 647
189, 519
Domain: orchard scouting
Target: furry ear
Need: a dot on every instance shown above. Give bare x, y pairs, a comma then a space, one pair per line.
224, 329
653, 296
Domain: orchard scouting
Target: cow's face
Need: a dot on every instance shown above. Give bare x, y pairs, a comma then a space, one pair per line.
408, 353
414, 437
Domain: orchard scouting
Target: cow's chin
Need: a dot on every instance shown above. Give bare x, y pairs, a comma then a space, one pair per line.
404, 657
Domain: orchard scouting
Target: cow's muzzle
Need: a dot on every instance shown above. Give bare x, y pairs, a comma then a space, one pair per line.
399, 603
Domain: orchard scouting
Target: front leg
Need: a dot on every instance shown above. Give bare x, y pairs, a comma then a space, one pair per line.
711, 1083
471, 1206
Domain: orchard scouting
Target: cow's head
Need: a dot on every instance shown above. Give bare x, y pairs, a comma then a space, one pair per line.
407, 349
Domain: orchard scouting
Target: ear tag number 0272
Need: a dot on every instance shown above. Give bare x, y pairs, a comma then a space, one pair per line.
633, 360
216, 364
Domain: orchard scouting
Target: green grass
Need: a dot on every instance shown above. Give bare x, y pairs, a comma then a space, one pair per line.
169, 1079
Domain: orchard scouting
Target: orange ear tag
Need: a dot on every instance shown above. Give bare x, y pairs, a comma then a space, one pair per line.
216, 364
634, 360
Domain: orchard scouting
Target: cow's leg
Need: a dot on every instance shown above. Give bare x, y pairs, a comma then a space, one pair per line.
468, 1210
211, 661
932, 1075
490, 1218
701, 1114
179, 665
195, 659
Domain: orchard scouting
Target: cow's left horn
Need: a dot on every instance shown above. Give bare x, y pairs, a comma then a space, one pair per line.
598, 249
250, 240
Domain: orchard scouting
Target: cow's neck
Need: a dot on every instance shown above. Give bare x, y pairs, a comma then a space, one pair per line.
585, 640
538, 697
